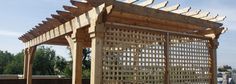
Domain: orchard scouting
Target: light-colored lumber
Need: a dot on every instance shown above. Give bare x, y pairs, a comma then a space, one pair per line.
77, 22
183, 10
145, 3
202, 15
76, 50
25, 63
210, 17
171, 8
160, 5
31, 53
192, 13
129, 1
218, 19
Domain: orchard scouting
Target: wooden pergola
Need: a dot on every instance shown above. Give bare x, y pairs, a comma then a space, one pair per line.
132, 42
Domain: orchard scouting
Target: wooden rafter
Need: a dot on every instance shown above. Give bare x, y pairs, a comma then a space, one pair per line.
146, 3
83, 7
202, 15
60, 30
54, 22
59, 18
65, 15
192, 13
129, 1
160, 5
80, 7
183, 10
171, 8
47, 25
74, 10
210, 17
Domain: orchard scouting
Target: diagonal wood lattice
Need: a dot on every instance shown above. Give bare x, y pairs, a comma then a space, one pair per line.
134, 41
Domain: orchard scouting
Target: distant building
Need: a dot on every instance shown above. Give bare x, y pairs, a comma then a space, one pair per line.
225, 75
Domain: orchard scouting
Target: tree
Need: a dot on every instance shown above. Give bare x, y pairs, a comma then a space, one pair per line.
47, 63
5, 59
16, 65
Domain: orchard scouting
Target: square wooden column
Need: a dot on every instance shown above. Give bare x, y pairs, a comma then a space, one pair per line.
77, 44
97, 35
25, 63
213, 60
31, 53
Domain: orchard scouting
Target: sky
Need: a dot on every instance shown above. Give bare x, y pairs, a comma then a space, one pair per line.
19, 16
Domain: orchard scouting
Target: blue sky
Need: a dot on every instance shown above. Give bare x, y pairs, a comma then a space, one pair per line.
19, 16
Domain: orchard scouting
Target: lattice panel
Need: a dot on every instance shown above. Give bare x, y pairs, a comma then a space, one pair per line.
133, 56
189, 60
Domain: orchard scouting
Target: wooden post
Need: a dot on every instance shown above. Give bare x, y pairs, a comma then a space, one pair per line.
31, 53
213, 60
25, 63
166, 53
76, 43
97, 36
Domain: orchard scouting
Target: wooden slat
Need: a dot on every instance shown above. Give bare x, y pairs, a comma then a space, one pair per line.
145, 3
181, 11
54, 22
219, 18
83, 7
192, 13
59, 18
36, 31
171, 8
202, 15
129, 1
210, 17
65, 15
47, 25
30, 35
160, 5
44, 27
75, 11
38, 28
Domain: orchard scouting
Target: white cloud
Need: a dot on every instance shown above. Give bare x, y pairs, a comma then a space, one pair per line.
9, 33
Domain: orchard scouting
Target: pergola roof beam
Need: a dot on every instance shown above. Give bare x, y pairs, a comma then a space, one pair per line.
133, 8
77, 22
